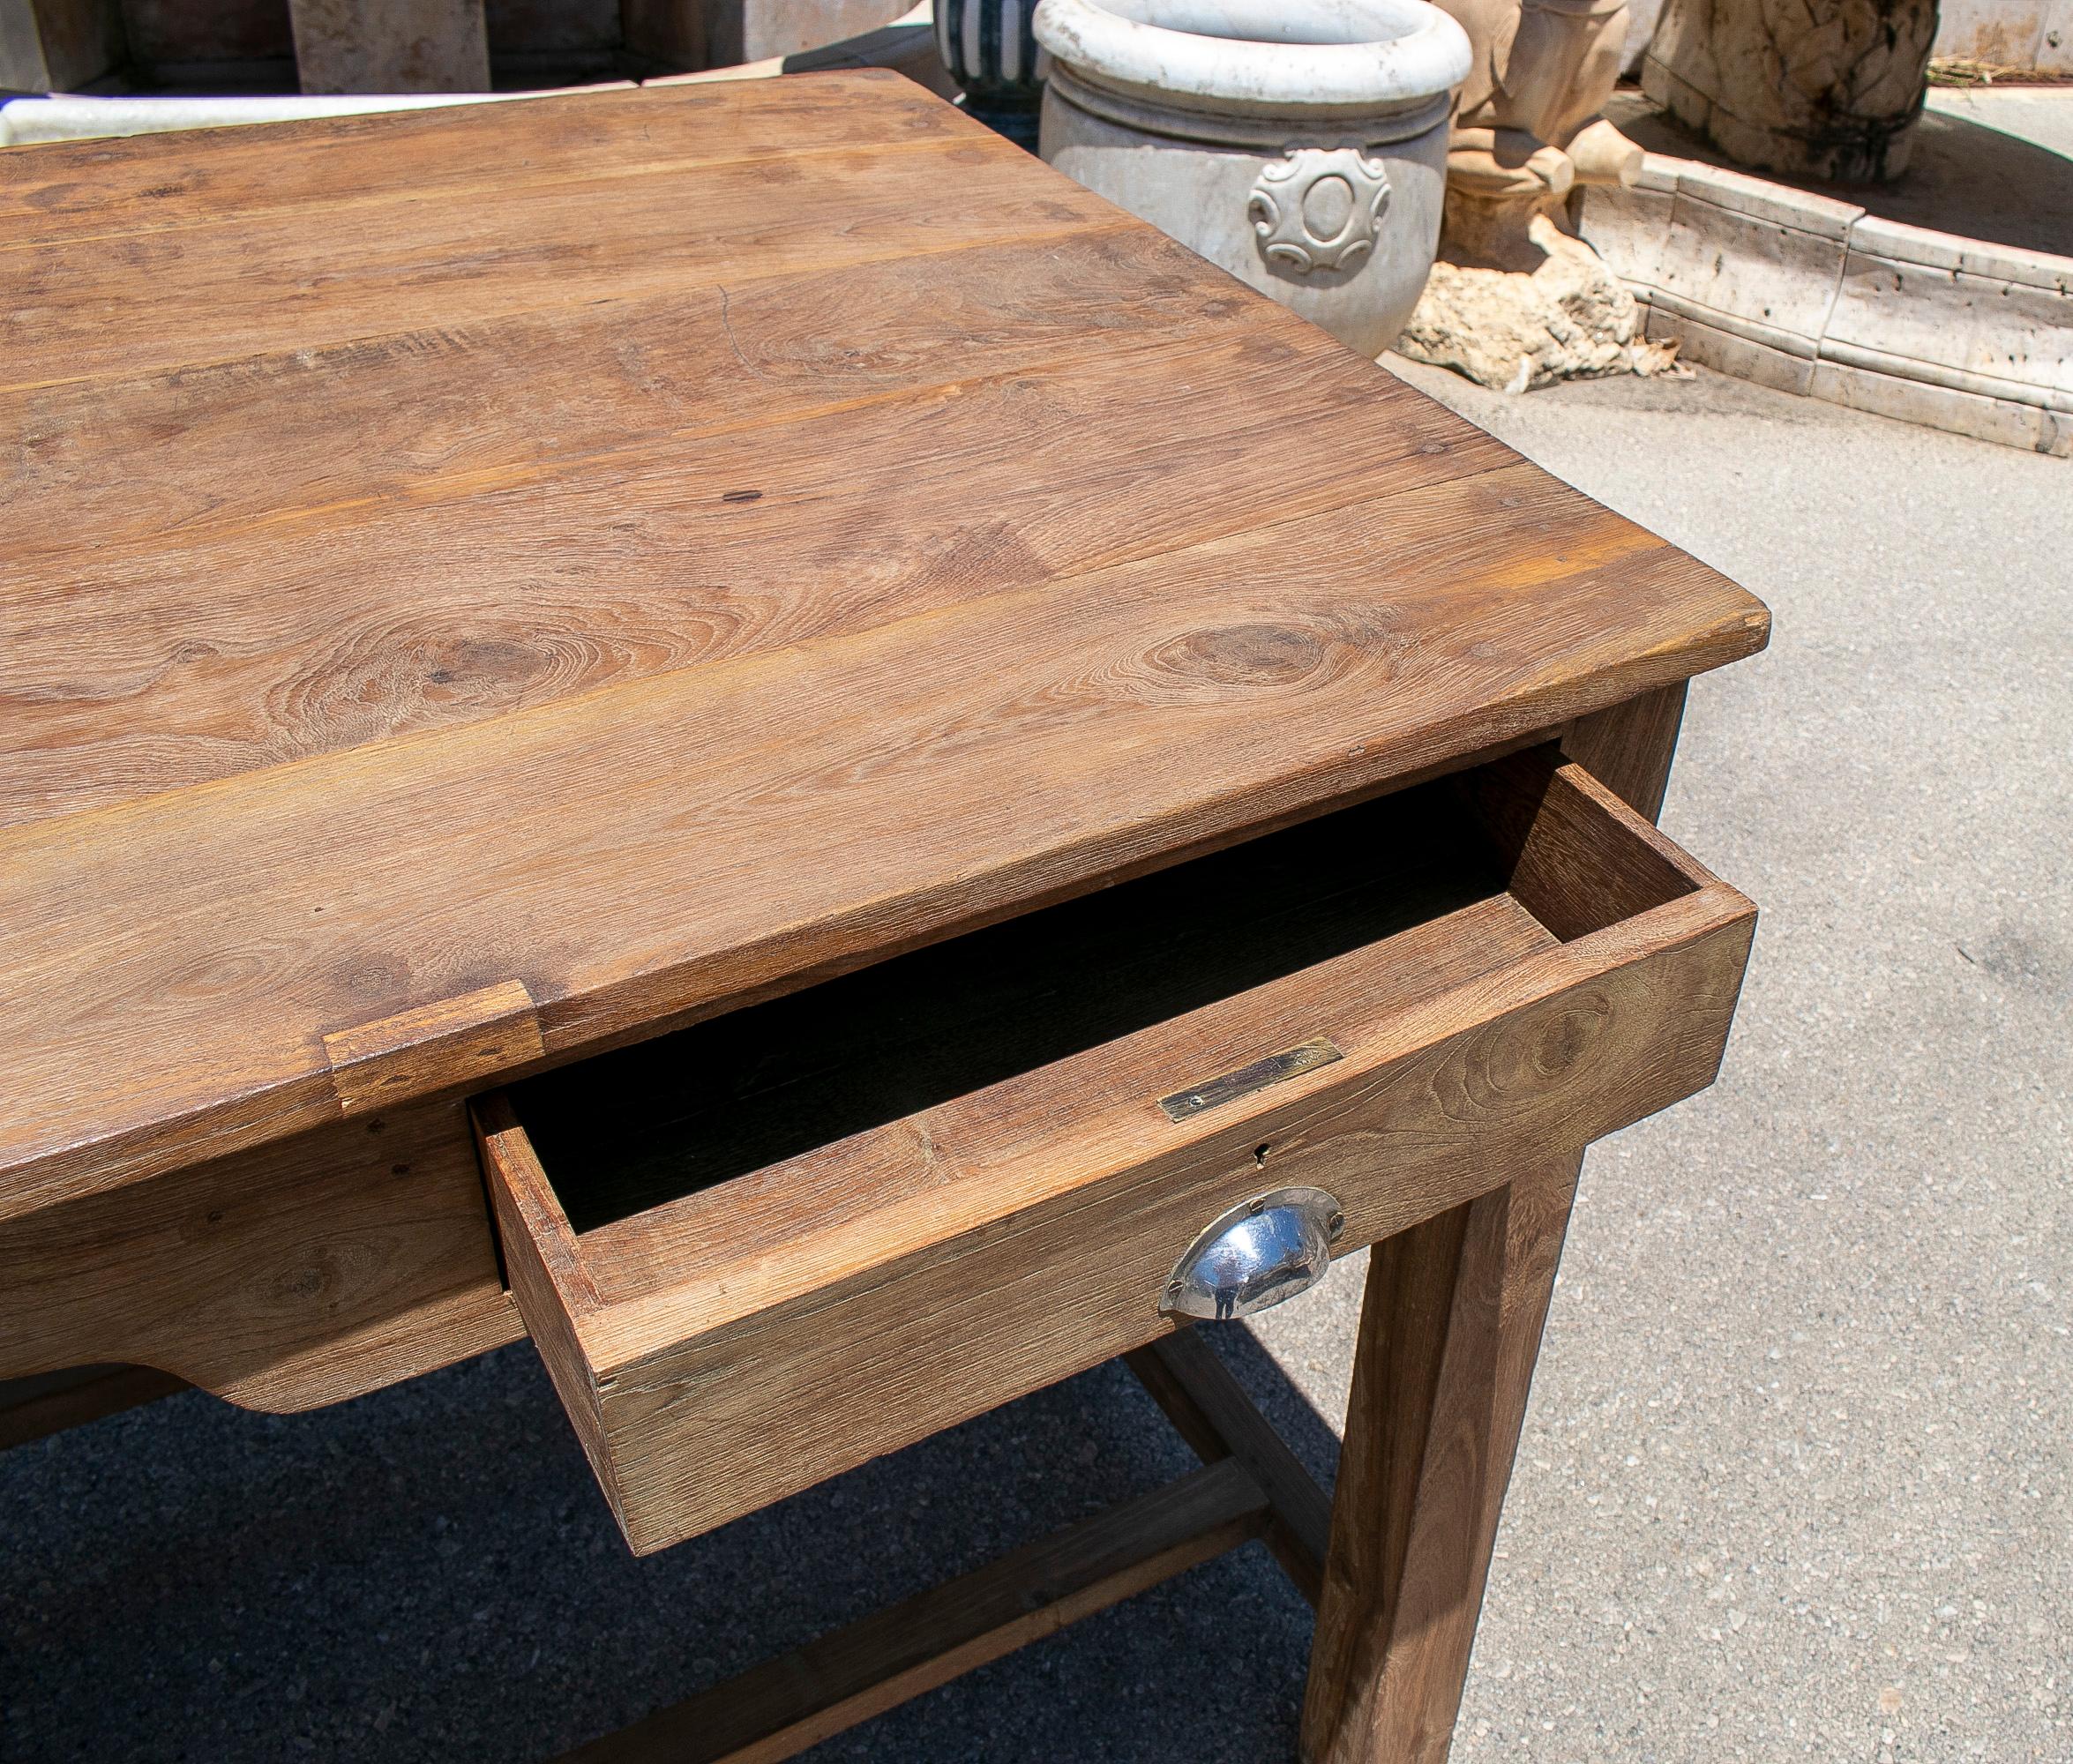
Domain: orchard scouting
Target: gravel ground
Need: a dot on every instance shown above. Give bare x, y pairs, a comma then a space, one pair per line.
1794, 1479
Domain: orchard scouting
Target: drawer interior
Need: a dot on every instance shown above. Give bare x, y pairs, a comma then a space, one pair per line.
757, 1252
628, 1131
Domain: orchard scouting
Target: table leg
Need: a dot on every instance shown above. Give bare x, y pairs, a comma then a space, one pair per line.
1449, 1327
1627, 747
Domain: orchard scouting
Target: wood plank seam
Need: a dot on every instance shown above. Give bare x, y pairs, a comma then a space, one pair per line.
339, 206
432, 489
584, 1022
830, 647
904, 254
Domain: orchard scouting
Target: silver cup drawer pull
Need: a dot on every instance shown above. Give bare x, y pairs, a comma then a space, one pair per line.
1260, 1252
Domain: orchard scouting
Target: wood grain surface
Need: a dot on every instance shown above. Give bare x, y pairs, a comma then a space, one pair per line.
284, 1277
855, 1298
653, 549
1628, 747
1449, 1329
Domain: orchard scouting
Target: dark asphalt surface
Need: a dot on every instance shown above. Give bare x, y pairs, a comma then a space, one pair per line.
1795, 1478
430, 1573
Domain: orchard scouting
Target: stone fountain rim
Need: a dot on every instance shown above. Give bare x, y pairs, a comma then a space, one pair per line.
1235, 77
1807, 294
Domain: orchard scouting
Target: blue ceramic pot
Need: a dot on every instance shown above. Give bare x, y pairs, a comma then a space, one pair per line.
990, 52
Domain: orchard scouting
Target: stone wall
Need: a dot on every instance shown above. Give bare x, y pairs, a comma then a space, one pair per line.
381, 45
2037, 34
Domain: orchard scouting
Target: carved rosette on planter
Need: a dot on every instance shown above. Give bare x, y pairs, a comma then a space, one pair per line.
1321, 209
1299, 144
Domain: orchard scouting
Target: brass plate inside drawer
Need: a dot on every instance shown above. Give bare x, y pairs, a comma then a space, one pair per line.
759, 1252
1230, 1086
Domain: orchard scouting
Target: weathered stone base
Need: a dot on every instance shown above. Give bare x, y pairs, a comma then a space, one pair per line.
1825, 90
1570, 318
1808, 294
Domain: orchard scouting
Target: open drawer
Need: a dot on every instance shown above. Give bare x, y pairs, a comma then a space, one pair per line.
764, 1249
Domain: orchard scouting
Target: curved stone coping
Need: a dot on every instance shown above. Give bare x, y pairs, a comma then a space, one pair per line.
1404, 120
66, 117
1817, 296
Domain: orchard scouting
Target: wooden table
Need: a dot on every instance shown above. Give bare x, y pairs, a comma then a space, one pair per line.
491, 591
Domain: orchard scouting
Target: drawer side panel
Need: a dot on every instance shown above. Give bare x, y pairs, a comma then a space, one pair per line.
833, 1379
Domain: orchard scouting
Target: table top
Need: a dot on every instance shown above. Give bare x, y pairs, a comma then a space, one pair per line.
546, 568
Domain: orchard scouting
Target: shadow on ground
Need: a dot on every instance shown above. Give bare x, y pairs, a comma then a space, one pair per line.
430, 1573
1963, 177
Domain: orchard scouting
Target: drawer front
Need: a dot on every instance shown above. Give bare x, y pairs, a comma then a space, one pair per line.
732, 1346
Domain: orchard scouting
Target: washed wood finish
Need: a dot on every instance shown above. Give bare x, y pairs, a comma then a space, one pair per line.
734, 1096
34, 1408
1448, 1331
488, 588
433, 1047
530, 541
1246, 624
445, 612
284, 1278
357, 885
339, 170
1628, 747
856, 1297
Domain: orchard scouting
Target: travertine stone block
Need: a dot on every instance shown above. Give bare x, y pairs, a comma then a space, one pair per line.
2019, 33
57, 45
1975, 256
1936, 407
1733, 260
1760, 200
1812, 295
391, 45
1627, 227
707, 33
1955, 326
1743, 357
2054, 38
1814, 88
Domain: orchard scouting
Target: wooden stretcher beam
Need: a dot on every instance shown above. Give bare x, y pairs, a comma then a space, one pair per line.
778, 1708
1211, 1412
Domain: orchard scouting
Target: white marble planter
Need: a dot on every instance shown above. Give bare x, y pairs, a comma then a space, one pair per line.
1299, 144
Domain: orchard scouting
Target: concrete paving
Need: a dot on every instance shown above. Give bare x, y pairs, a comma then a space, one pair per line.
2040, 114
1795, 1477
